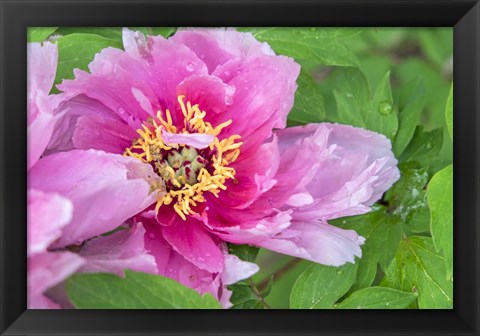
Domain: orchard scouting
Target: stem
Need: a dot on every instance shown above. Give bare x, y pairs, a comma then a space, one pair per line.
257, 293
277, 275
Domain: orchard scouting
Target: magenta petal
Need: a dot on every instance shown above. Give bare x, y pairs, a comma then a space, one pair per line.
237, 269
195, 244
217, 46
47, 215
117, 252
318, 242
46, 270
106, 189
199, 141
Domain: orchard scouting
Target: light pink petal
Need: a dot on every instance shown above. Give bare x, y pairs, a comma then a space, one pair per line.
74, 108
46, 270
195, 244
95, 132
48, 213
317, 242
355, 168
237, 269
117, 252
217, 46
199, 141
41, 66
106, 189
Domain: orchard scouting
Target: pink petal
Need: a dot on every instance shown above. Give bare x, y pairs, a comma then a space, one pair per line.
355, 168
190, 240
47, 215
117, 252
41, 66
317, 242
46, 270
106, 189
199, 141
237, 269
217, 46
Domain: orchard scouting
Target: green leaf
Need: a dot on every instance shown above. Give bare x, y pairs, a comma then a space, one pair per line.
449, 113
356, 108
243, 296
321, 45
244, 252
382, 233
440, 200
309, 105
423, 147
319, 286
111, 33
76, 51
410, 115
407, 198
135, 291
39, 34
418, 268
377, 298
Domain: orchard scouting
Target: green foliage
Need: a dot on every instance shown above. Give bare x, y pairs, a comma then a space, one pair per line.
321, 45
39, 34
449, 113
244, 252
321, 286
76, 51
418, 268
377, 298
134, 291
440, 200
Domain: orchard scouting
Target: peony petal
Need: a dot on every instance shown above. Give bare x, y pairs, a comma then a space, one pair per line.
117, 252
46, 270
47, 215
318, 242
106, 189
190, 240
237, 269
199, 141
355, 168
41, 66
217, 46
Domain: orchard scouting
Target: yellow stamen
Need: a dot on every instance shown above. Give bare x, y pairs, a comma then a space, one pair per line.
149, 146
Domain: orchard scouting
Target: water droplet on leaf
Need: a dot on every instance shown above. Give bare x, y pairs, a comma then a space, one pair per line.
385, 108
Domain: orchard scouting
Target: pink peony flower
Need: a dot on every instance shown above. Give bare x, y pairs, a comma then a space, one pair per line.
75, 196
205, 111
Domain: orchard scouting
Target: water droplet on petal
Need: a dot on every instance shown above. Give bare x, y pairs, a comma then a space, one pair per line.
385, 108
190, 67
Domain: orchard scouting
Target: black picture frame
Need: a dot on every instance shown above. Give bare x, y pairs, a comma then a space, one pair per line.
17, 15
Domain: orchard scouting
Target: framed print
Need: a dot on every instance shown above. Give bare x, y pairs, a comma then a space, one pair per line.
313, 170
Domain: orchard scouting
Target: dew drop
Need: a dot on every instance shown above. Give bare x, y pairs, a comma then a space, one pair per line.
385, 108
387, 304
348, 95
429, 145
316, 37
190, 67
339, 272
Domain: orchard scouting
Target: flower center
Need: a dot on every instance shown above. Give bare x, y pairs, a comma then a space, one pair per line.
191, 160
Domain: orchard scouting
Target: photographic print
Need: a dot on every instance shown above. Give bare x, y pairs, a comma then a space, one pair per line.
240, 168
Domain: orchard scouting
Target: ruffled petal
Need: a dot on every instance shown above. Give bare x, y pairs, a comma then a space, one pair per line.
117, 252
106, 189
356, 168
217, 46
318, 242
48, 213
41, 66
